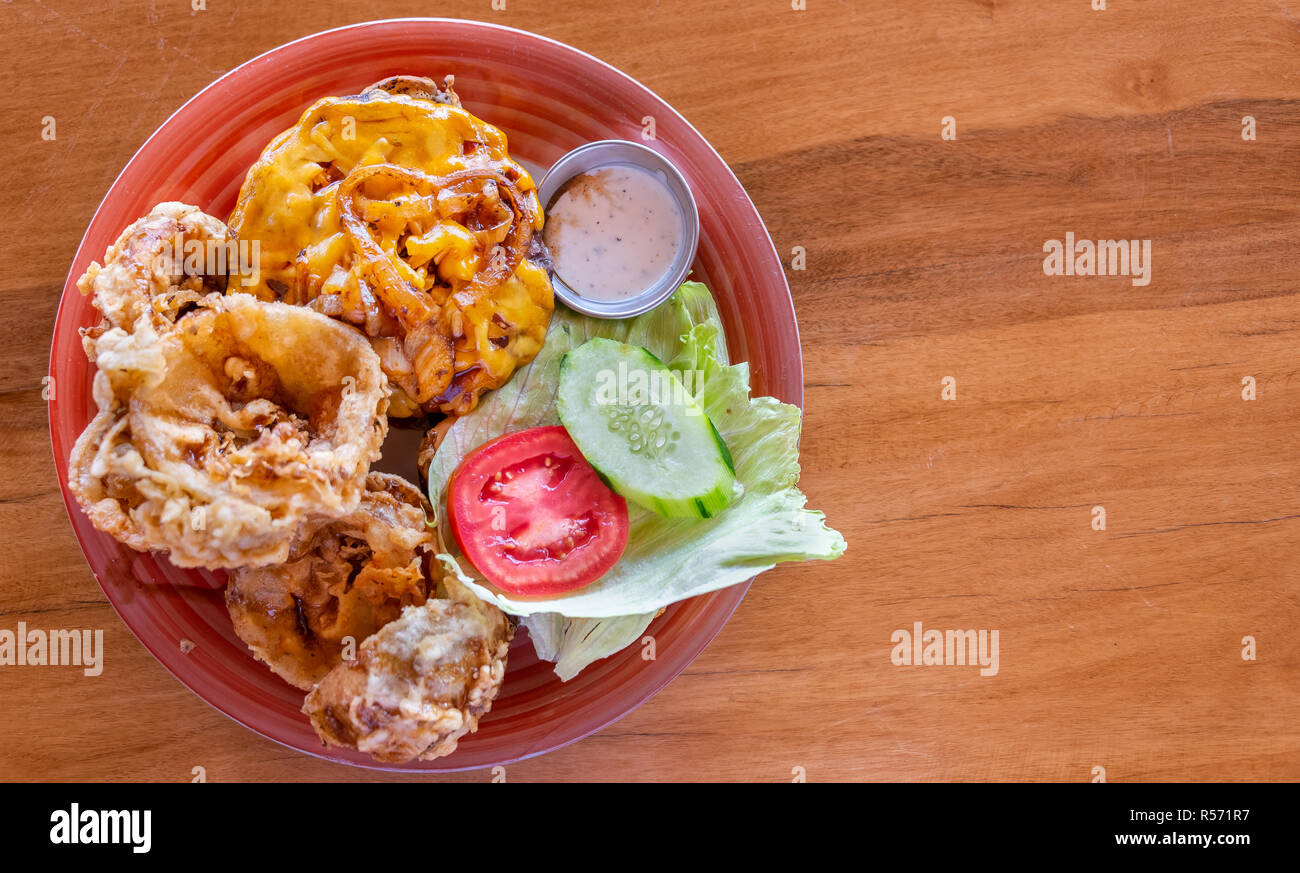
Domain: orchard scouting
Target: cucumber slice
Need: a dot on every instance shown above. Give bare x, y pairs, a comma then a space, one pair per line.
643, 432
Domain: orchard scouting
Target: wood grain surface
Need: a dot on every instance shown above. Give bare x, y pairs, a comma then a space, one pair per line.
1119, 648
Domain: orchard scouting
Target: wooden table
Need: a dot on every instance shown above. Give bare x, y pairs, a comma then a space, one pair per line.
1120, 650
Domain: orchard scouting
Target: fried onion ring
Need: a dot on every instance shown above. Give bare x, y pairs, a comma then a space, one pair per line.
346, 579
218, 438
419, 684
159, 266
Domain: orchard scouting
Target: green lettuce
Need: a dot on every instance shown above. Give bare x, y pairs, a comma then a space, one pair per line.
666, 560
573, 643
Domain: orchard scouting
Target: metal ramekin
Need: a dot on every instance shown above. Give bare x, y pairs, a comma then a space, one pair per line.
603, 153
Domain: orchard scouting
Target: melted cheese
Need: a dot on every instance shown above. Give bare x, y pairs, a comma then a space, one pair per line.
288, 205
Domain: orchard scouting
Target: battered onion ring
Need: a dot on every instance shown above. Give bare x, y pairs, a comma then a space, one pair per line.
419, 684
218, 438
158, 267
428, 343
345, 579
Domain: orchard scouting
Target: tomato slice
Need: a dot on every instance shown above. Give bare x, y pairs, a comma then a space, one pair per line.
531, 514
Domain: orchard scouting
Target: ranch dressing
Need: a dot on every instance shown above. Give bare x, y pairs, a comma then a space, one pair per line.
614, 231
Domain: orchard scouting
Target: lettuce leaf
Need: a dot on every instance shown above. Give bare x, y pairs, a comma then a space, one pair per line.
573, 643
666, 560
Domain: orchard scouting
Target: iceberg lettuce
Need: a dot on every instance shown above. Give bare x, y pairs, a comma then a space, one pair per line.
666, 560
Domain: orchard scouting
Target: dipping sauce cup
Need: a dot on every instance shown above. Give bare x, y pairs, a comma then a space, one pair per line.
617, 227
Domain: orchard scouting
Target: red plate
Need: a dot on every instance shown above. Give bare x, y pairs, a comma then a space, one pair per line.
548, 98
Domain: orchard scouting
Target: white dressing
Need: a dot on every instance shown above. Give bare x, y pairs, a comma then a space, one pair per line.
614, 231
